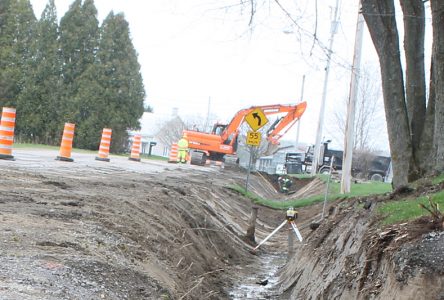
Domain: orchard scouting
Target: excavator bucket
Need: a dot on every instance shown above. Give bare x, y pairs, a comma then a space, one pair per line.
271, 149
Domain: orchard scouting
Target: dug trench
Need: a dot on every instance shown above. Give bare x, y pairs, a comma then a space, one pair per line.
179, 234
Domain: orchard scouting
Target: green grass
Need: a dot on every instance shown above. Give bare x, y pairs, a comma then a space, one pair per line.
361, 189
153, 157
408, 209
301, 176
34, 146
438, 179
48, 147
77, 150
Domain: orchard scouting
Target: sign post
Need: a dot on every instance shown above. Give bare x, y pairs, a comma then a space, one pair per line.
248, 173
256, 119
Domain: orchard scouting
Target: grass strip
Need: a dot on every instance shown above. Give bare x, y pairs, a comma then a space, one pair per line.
408, 209
357, 189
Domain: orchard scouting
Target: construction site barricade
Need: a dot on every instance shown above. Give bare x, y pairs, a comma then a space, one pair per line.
172, 158
105, 144
135, 148
7, 126
66, 144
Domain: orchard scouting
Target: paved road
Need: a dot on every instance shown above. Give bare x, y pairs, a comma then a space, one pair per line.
43, 160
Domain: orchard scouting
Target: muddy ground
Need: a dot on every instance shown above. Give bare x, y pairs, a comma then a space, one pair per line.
152, 230
123, 230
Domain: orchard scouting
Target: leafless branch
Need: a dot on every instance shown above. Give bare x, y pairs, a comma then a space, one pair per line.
315, 28
195, 286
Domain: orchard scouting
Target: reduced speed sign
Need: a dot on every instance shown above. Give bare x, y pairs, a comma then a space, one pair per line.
253, 138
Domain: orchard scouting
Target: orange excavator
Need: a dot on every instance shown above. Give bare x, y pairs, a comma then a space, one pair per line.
223, 138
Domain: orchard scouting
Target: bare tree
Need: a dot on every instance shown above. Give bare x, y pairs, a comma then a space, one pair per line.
170, 131
265, 147
369, 112
415, 123
199, 122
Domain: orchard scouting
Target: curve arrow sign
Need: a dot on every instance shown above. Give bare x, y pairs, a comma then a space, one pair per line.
256, 119
259, 120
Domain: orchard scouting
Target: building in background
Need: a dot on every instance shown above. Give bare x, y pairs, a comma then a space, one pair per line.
159, 132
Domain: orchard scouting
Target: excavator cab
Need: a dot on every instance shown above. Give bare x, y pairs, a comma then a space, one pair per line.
218, 128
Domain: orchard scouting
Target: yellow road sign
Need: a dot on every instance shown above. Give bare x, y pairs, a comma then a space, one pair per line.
256, 119
253, 138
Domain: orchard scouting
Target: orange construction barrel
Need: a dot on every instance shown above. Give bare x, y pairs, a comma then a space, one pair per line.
7, 126
66, 144
105, 143
172, 158
135, 149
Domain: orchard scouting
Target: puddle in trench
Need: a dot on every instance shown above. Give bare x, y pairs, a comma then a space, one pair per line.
248, 288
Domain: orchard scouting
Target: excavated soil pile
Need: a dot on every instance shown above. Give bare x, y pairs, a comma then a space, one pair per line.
89, 230
83, 231
351, 256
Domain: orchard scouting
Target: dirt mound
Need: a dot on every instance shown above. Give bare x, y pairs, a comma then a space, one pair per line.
153, 231
355, 259
176, 234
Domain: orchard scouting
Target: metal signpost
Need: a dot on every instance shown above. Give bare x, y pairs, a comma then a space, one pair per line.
256, 119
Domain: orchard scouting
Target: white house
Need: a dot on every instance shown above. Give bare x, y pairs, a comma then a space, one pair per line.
158, 131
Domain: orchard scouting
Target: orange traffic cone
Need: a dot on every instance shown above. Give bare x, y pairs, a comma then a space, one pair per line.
172, 158
66, 145
7, 126
135, 149
105, 142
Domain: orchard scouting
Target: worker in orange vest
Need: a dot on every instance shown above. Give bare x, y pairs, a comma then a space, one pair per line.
183, 149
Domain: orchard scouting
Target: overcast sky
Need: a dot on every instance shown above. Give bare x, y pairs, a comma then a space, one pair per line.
191, 51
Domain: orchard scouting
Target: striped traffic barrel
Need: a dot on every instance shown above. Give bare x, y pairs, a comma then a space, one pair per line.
105, 143
7, 126
135, 148
172, 158
66, 144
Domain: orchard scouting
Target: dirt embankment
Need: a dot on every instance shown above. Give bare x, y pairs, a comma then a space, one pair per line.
350, 257
89, 232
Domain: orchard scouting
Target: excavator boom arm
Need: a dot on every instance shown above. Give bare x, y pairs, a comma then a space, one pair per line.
286, 122
294, 112
216, 145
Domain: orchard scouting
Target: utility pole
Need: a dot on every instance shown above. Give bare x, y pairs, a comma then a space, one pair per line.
207, 120
317, 148
349, 127
299, 122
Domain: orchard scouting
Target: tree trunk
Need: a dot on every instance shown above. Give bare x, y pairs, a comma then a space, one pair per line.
380, 18
414, 28
426, 150
252, 225
438, 76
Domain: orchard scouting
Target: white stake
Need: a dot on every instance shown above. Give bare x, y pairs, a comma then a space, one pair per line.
271, 234
296, 230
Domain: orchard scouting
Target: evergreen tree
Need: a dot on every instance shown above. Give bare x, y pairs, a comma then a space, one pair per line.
123, 83
92, 109
16, 26
40, 98
112, 91
79, 34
